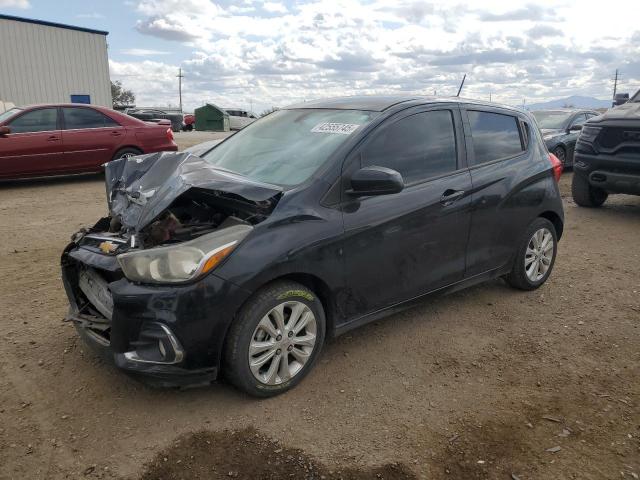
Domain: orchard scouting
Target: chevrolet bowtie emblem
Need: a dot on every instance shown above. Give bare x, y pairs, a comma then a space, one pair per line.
108, 247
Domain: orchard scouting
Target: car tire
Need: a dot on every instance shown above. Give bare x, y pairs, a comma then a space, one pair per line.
126, 152
534, 259
585, 194
262, 330
189, 127
561, 154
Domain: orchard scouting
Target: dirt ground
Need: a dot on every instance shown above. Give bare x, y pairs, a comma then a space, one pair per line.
488, 383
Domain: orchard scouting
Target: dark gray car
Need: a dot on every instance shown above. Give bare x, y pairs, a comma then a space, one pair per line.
560, 129
306, 224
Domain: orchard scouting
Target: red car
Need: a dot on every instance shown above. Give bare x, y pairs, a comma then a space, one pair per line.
70, 138
189, 121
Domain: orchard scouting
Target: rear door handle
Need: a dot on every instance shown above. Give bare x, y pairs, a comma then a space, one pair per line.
53, 138
451, 196
115, 134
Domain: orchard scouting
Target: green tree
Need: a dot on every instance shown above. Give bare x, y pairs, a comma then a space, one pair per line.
121, 96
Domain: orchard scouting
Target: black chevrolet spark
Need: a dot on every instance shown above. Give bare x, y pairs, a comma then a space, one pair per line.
314, 220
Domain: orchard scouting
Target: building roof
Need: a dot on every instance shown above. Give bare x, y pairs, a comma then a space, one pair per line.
52, 24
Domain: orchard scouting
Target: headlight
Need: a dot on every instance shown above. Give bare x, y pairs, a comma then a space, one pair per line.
589, 134
184, 261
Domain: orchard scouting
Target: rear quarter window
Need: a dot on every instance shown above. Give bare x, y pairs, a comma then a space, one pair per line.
494, 136
80, 118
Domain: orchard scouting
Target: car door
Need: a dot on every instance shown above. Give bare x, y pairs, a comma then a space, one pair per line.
403, 245
500, 163
34, 144
90, 138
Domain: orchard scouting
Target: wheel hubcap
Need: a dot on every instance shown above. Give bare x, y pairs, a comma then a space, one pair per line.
539, 255
282, 343
559, 153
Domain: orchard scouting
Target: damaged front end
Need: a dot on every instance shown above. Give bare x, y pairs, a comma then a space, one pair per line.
133, 279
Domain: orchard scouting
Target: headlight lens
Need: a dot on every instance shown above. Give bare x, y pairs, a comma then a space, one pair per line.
589, 134
182, 262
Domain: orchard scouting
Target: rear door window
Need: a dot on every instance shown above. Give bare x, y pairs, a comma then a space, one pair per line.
79, 118
419, 146
494, 135
41, 120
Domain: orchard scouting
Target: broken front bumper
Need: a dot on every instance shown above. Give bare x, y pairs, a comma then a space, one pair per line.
164, 335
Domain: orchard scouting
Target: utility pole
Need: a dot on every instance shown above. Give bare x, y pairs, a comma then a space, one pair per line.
615, 89
180, 77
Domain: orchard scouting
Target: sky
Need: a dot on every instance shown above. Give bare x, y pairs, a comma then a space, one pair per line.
258, 55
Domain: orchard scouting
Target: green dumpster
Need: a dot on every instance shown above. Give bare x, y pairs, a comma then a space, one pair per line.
211, 118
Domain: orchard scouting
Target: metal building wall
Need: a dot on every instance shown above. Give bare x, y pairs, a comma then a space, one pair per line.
45, 64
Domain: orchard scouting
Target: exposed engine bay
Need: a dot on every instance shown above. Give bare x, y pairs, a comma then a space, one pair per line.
194, 214
167, 198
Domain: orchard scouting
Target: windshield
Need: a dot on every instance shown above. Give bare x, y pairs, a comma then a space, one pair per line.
548, 119
9, 113
287, 146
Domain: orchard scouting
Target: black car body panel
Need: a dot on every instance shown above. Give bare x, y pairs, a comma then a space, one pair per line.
608, 156
364, 257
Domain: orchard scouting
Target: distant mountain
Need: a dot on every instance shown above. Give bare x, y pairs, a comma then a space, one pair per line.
576, 101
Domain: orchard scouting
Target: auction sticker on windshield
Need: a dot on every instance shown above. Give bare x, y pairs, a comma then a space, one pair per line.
340, 128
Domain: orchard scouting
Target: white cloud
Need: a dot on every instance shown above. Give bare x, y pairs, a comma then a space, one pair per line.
22, 4
274, 7
142, 52
278, 53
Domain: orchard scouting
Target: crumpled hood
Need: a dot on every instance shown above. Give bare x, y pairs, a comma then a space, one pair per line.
628, 111
140, 188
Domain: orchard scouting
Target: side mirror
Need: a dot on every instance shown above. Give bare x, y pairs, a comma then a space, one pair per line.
376, 181
575, 128
4, 131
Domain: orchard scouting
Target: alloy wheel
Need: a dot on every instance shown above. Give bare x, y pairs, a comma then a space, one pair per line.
539, 255
282, 343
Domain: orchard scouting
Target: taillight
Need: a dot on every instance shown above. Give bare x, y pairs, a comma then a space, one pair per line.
170, 134
557, 166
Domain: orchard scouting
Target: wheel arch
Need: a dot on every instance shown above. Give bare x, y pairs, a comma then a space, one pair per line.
320, 288
124, 147
554, 218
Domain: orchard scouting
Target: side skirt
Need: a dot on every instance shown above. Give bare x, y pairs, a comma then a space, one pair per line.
398, 307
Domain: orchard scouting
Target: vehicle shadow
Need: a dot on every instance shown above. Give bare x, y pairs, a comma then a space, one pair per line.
49, 181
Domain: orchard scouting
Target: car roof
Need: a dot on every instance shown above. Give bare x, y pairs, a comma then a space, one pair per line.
564, 110
57, 105
380, 103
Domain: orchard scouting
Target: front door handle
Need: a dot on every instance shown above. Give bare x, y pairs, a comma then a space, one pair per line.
116, 134
451, 196
53, 138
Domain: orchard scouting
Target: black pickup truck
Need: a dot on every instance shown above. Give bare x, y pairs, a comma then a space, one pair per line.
607, 155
